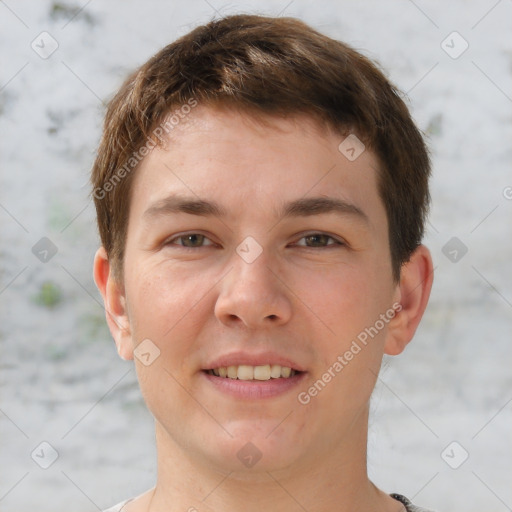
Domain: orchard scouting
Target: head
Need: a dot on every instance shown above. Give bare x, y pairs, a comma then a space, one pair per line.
263, 66
234, 224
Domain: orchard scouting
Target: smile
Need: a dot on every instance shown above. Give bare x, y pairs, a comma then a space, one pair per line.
248, 382
248, 372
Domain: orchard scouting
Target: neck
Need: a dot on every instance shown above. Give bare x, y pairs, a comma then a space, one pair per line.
333, 478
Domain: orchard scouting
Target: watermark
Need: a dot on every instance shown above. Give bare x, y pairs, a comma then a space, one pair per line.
454, 45
455, 455
158, 134
44, 455
249, 249
44, 45
351, 147
249, 455
455, 249
507, 193
44, 250
361, 341
146, 352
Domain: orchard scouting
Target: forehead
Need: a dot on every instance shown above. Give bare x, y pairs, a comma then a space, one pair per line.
245, 162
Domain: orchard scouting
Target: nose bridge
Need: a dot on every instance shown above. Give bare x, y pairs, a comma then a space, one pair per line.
252, 270
251, 292
251, 274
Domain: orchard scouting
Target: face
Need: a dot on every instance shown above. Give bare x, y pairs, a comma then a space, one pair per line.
257, 251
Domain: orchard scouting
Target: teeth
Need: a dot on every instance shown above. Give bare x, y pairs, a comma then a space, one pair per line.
247, 372
275, 371
232, 371
286, 372
262, 372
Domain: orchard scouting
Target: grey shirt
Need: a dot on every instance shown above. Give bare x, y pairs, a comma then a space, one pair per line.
402, 499
408, 505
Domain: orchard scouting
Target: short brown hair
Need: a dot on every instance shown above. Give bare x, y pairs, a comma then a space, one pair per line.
268, 66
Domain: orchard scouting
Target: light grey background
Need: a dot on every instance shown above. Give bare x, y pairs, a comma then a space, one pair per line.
61, 380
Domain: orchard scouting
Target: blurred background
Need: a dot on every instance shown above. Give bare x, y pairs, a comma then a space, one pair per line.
74, 432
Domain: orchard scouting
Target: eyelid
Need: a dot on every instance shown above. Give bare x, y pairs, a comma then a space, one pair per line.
170, 240
337, 240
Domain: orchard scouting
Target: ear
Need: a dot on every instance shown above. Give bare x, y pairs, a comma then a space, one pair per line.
115, 304
412, 294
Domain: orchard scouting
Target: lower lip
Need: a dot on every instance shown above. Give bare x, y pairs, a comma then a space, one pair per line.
254, 389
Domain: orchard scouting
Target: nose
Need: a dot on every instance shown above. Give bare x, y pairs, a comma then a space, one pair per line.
253, 295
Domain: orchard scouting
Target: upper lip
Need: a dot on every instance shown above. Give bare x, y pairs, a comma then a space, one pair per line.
245, 358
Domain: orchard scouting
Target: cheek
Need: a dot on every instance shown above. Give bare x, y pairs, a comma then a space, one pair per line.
337, 302
163, 307
343, 309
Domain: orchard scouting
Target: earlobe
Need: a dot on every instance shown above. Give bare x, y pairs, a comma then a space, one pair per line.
115, 304
413, 292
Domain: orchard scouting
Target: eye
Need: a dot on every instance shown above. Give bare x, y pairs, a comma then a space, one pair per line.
318, 240
190, 240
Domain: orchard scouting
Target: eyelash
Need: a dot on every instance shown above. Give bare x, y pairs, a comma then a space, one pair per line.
335, 241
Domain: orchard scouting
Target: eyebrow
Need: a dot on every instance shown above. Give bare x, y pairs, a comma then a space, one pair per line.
303, 207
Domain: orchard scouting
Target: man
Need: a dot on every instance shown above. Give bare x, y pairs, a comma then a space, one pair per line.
261, 193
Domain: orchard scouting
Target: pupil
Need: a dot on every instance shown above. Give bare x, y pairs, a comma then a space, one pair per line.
317, 239
193, 240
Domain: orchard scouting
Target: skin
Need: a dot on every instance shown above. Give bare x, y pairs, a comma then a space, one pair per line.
304, 297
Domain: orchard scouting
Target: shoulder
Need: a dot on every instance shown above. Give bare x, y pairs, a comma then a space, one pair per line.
118, 507
140, 502
408, 505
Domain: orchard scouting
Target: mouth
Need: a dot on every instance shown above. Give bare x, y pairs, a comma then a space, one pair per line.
246, 372
248, 382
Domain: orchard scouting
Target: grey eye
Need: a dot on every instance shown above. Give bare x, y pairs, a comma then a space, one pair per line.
193, 240
317, 240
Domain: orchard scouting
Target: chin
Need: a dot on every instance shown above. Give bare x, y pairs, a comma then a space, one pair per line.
252, 450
